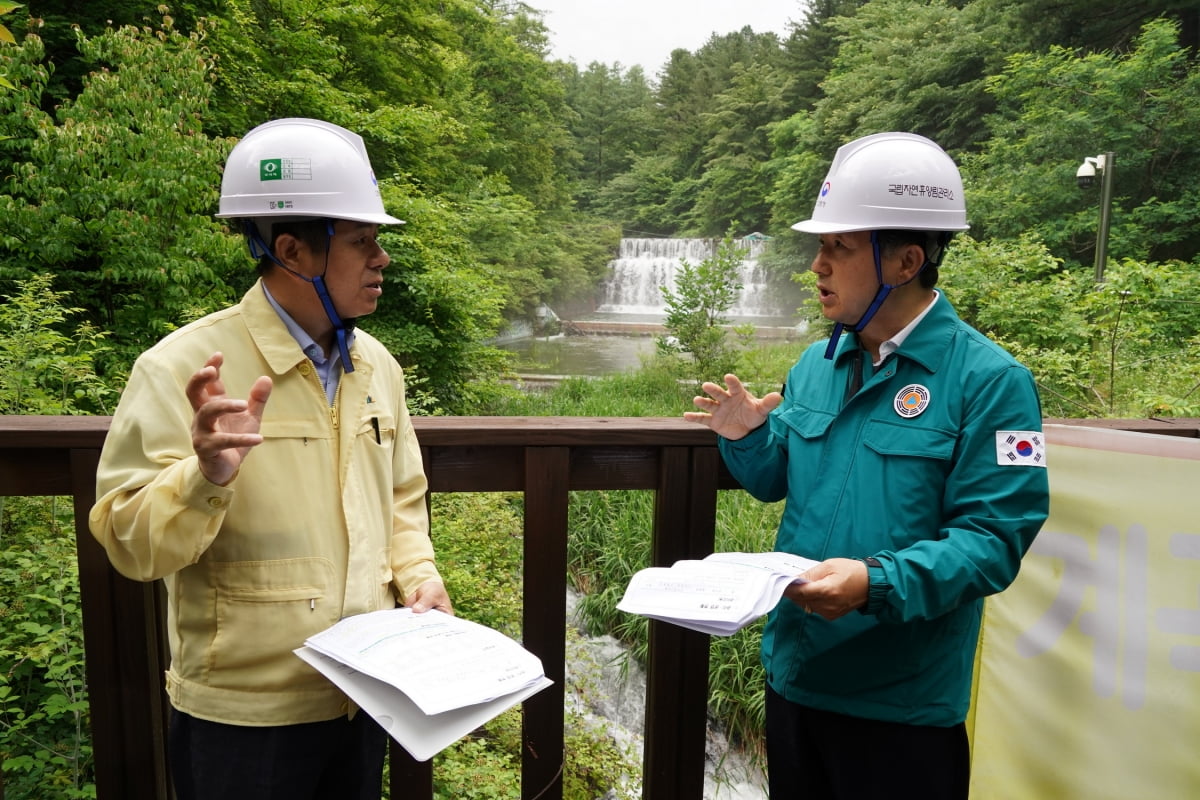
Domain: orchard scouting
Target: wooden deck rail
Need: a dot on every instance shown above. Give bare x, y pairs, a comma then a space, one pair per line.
543, 457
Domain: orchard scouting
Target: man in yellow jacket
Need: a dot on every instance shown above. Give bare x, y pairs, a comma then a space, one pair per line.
272, 517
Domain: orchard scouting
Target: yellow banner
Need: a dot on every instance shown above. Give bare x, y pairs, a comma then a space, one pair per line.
1088, 671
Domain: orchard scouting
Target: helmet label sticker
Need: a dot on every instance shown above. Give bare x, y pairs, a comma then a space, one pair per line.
285, 169
911, 401
1015, 448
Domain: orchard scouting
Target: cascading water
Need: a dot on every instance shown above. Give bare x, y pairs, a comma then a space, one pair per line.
628, 309
643, 266
614, 693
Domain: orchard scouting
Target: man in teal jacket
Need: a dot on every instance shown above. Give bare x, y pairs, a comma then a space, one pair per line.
911, 457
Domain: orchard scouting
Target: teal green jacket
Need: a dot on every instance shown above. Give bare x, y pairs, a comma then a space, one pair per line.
936, 468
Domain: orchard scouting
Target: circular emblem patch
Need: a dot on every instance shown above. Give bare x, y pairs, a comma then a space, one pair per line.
911, 400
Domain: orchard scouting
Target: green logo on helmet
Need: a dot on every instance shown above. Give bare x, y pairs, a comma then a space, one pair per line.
285, 169
270, 169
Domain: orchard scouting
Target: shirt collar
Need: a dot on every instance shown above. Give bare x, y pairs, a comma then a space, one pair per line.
306, 342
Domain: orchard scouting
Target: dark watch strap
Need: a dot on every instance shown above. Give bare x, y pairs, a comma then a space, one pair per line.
870, 561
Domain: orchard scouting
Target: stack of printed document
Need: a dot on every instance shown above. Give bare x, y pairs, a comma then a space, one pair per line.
720, 594
428, 679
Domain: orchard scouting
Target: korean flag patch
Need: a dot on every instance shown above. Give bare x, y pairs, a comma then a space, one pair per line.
1025, 448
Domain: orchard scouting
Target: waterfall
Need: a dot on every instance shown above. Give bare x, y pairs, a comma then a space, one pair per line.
642, 266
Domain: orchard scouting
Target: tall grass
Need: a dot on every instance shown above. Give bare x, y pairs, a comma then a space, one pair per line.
663, 386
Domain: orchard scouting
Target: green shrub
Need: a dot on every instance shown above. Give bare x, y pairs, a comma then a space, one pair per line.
46, 367
1123, 348
45, 741
44, 370
696, 310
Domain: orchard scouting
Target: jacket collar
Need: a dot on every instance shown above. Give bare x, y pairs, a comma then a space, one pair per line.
277, 345
930, 340
926, 344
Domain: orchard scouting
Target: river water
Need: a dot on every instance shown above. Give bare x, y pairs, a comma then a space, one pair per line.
591, 356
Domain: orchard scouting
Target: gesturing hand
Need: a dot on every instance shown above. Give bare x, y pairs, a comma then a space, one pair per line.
732, 411
224, 428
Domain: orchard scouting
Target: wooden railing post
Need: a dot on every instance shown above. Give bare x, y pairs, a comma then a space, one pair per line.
125, 661
408, 777
677, 659
547, 482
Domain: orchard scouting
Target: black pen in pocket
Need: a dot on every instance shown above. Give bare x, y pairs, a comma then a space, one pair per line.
375, 426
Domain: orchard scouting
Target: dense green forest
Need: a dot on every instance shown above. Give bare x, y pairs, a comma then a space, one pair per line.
518, 174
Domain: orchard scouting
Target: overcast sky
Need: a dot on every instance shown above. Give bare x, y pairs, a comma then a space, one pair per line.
646, 31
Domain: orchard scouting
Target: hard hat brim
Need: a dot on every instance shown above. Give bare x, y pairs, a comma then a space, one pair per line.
815, 226
374, 219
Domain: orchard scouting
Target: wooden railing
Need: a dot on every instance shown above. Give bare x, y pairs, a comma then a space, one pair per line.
543, 457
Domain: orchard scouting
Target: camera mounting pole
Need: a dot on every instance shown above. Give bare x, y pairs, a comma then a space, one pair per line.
1085, 175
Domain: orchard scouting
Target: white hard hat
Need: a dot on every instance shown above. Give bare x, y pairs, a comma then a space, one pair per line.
301, 168
889, 181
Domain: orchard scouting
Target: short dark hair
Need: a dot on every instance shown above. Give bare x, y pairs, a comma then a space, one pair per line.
932, 243
313, 232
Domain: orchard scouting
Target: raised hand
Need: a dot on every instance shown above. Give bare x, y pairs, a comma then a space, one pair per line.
224, 428
732, 411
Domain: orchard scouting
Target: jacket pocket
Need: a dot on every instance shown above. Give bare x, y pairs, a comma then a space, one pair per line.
300, 428
380, 428
905, 439
910, 465
807, 423
264, 610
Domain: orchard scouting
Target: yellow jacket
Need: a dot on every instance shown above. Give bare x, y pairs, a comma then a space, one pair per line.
325, 519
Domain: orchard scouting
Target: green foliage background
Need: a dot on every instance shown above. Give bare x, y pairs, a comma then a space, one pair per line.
47, 366
518, 175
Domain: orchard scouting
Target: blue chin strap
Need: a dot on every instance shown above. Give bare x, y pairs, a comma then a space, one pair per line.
259, 248
881, 293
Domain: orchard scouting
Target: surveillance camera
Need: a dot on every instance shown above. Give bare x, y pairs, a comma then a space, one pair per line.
1085, 176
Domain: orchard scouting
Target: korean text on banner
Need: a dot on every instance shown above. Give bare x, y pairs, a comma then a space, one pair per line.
1089, 664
